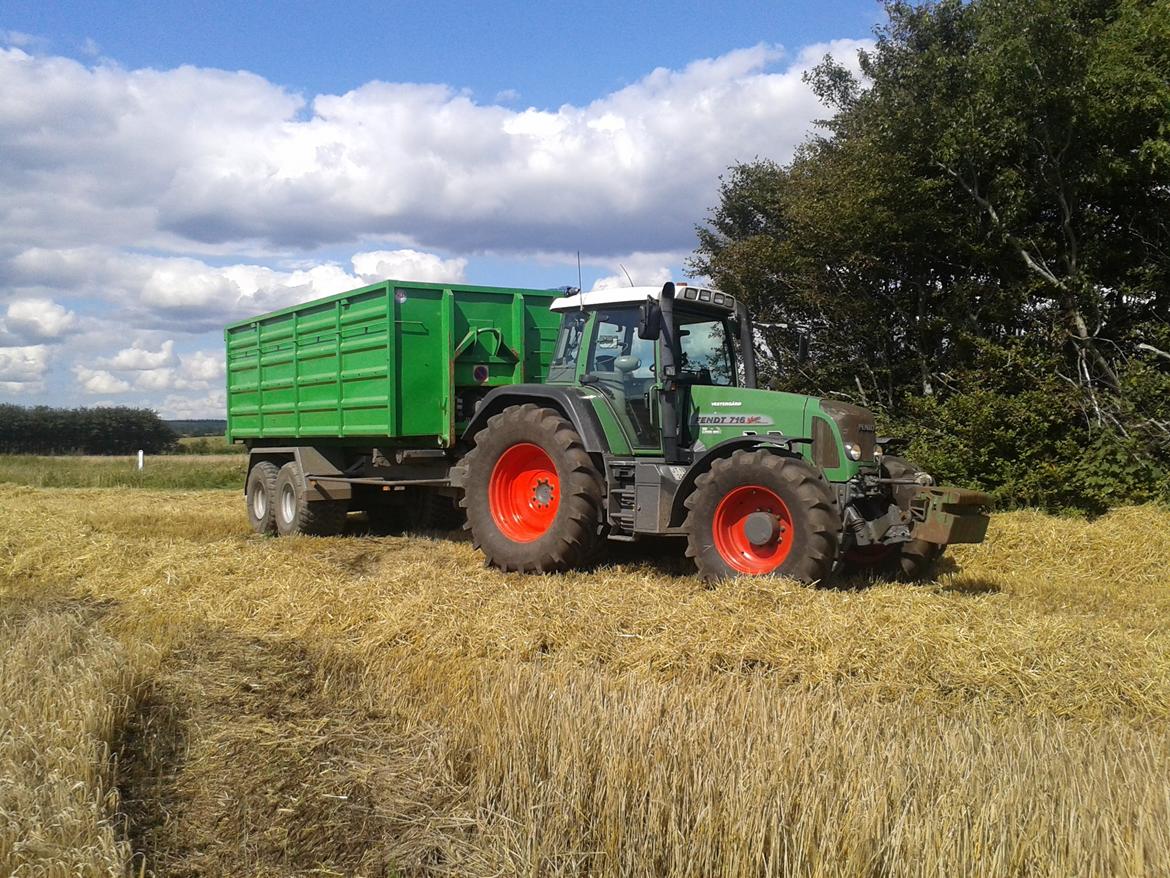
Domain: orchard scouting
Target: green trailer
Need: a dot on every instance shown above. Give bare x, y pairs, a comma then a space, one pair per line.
549, 421
394, 362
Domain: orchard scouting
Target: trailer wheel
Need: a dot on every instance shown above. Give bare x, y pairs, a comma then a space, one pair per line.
533, 496
757, 513
438, 511
295, 514
260, 497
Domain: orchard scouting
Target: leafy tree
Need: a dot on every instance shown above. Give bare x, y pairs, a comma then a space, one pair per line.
983, 226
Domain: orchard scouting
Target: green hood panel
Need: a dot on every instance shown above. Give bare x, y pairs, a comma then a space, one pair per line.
716, 414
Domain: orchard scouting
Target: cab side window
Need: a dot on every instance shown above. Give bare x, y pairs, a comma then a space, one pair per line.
617, 339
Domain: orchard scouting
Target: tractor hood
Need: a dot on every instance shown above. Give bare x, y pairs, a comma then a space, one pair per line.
842, 435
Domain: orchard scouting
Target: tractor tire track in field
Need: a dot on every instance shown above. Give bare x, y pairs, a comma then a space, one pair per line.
243, 758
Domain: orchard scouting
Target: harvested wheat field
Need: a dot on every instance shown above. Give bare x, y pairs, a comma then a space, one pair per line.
180, 697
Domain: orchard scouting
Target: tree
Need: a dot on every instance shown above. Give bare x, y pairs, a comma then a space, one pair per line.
994, 189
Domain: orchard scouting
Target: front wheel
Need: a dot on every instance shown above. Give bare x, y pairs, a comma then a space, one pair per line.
533, 496
757, 513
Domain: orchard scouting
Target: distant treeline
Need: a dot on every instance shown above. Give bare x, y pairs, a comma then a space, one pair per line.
113, 430
199, 427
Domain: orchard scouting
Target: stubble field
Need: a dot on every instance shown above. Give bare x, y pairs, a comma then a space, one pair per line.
180, 697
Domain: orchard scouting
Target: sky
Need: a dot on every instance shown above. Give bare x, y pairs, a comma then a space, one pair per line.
167, 168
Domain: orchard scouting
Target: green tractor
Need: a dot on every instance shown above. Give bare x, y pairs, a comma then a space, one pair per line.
646, 421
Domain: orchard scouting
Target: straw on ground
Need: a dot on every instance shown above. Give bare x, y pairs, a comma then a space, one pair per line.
372, 705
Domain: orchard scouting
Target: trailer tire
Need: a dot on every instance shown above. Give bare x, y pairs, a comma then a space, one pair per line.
532, 495
439, 511
260, 497
296, 514
797, 506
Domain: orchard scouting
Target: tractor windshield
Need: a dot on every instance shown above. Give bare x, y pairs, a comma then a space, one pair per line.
707, 346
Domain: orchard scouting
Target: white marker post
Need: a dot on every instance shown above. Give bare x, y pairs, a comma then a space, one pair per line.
141, 459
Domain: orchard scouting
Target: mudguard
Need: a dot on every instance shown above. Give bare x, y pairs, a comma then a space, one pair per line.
570, 401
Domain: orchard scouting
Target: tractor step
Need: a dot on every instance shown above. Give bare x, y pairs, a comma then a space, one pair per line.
622, 500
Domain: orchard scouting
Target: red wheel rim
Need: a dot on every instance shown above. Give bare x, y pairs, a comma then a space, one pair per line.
732, 542
524, 492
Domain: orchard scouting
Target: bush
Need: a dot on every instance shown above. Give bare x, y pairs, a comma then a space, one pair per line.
1015, 428
103, 430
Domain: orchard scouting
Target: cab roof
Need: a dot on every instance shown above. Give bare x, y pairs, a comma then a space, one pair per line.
637, 295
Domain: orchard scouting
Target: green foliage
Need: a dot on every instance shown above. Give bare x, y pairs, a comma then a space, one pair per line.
199, 427
978, 246
103, 430
208, 445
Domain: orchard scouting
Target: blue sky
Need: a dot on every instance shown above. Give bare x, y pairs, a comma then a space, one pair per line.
171, 167
549, 53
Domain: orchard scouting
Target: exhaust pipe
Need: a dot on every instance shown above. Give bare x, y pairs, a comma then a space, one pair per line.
670, 358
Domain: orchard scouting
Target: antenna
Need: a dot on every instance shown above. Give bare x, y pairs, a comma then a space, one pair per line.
579, 285
623, 268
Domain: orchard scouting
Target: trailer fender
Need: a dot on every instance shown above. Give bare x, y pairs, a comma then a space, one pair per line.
774, 442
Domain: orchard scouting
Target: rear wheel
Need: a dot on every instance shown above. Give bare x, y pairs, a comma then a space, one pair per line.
296, 514
757, 513
260, 496
533, 496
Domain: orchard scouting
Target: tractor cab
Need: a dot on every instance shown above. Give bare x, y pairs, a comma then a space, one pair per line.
639, 346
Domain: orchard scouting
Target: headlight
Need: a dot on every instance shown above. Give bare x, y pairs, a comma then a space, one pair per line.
853, 450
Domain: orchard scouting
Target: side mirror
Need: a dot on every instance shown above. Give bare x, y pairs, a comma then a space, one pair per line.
649, 320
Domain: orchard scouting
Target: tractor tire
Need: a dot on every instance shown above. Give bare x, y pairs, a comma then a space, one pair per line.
532, 495
800, 519
917, 560
913, 561
295, 514
260, 497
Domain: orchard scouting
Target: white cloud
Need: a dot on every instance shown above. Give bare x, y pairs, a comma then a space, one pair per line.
25, 364
168, 203
210, 405
37, 319
644, 269
136, 357
19, 38
204, 365
191, 156
99, 381
155, 379
196, 371
375, 265
185, 294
